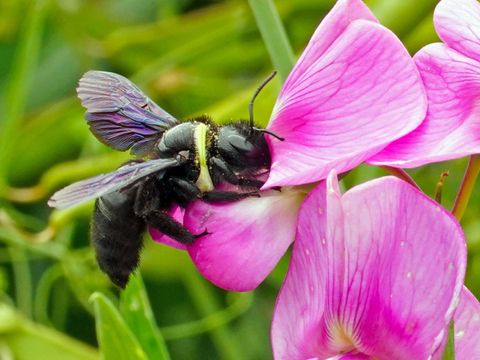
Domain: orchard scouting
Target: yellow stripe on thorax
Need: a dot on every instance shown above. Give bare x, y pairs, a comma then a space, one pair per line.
204, 181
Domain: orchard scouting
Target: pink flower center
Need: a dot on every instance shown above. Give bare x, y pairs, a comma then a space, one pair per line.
342, 338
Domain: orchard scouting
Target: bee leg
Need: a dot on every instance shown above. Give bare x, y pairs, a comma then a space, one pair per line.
221, 170
185, 191
147, 207
227, 196
147, 198
164, 223
250, 183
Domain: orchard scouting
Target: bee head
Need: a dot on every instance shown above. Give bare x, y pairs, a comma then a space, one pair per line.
242, 146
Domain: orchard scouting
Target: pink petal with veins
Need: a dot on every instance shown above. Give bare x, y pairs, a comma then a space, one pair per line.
374, 272
349, 356
451, 74
332, 26
466, 329
452, 127
355, 96
247, 238
457, 22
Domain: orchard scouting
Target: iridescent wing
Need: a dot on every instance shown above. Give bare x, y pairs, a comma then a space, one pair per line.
119, 114
97, 186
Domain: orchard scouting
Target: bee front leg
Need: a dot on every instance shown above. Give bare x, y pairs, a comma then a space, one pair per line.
221, 170
227, 196
166, 224
184, 191
250, 183
147, 206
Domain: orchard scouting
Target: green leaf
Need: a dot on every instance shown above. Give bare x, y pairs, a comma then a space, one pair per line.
274, 35
116, 340
24, 340
136, 310
401, 16
26, 56
449, 353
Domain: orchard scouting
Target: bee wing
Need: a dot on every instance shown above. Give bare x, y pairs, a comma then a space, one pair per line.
97, 186
119, 114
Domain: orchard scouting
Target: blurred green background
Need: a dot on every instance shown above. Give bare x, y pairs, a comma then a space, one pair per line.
191, 57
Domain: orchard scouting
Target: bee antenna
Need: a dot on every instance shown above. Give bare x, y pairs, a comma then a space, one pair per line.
265, 131
250, 105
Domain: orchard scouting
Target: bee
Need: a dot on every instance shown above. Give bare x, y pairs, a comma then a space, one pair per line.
177, 162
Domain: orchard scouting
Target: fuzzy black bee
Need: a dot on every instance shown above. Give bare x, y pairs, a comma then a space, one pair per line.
178, 162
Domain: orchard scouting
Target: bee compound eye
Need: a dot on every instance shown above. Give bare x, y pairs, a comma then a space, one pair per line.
240, 143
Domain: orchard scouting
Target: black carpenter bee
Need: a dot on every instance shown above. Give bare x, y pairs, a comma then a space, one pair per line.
178, 162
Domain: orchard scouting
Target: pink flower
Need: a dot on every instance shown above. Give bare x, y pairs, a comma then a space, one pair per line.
451, 74
376, 273
467, 327
354, 90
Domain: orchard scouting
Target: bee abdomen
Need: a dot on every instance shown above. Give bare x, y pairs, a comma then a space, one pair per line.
116, 234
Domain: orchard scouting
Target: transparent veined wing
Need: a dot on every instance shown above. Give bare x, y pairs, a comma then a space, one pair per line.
119, 114
97, 186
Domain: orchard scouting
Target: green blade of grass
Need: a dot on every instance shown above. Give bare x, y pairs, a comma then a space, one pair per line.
449, 352
274, 36
136, 310
116, 340
206, 304
18, 85
26, 340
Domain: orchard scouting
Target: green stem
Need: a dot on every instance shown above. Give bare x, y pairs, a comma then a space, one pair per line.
401, 16
42, 296
401, 174
18, 84
439, 186
466, 188
23, 280
27, 338
242, 303
204, 299
449, 352
14, 237
274, 35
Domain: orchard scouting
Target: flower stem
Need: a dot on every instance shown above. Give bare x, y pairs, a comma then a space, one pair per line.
439, 186
17, 86
204, 299
401, 174
449, 352
220, 318
274, 36
466, 188
23, 279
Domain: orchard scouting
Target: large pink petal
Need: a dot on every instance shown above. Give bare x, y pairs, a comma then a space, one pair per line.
247, 239
376, 271
458, 24
452, 126
467, 327
331, 27
350, 356
362, 93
